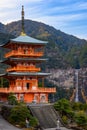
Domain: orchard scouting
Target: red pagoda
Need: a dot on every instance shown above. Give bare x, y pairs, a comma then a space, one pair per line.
23, 57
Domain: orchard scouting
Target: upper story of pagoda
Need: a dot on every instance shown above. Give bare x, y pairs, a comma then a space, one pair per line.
24, 45
23, 40
24, 52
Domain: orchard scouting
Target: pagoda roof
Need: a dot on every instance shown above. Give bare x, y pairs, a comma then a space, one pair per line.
12, 60
24, 59
24, 39
29, 74
27, 39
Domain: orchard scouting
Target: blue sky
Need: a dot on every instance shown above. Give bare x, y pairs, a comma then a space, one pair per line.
69, 16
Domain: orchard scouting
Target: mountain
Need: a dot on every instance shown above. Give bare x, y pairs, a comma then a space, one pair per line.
1, 27
63, 50
45, 32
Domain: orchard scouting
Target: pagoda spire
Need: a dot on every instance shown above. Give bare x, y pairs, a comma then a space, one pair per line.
22, 22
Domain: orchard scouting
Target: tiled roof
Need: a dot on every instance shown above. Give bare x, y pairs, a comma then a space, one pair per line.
27, 39
29, 74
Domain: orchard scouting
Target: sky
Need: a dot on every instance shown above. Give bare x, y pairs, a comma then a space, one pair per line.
69, 16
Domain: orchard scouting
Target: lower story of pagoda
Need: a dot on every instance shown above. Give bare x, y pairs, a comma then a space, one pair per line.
29, 96
26, 88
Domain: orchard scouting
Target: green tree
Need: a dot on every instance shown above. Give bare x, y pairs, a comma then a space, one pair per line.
83, 56
12, 99
18, 115
73, 57
64, 107
81, 118
4, 82
79, 106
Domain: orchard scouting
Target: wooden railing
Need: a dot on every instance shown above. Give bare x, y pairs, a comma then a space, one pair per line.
21, 53
23, 68
46, 90
3, 90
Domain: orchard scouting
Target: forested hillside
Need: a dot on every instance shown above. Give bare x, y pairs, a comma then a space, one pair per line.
63, 50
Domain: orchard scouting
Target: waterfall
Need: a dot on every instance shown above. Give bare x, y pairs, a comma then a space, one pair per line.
76, 76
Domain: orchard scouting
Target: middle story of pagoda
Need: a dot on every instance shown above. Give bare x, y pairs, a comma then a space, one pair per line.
25, 53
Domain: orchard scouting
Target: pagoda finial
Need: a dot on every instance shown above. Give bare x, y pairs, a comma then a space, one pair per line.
22, 22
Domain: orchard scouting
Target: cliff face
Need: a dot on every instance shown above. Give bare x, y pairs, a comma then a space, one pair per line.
73, 81
62, 77
66, 78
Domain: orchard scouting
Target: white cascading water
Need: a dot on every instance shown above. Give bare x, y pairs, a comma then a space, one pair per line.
76, 96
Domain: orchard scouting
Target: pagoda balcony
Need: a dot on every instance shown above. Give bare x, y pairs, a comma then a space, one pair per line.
22, 54
23, 68
39, 90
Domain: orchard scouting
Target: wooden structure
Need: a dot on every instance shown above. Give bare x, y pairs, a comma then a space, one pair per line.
23, 74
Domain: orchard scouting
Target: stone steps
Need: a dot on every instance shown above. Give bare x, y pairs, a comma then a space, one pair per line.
45, 114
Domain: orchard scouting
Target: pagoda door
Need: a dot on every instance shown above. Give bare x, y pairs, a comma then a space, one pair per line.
27, 85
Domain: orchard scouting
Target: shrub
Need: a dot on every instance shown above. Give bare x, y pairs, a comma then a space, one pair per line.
12, 99
63, 106
65, 119
33, 121
81, 118
18, 115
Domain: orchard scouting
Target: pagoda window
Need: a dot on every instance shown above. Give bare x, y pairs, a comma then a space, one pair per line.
31, 50
19, 48
25, 51
19, 64
31, 64
24, 78
25, 64
27, 85
18, 78
28, 78
34, 87
19, 86
16, 48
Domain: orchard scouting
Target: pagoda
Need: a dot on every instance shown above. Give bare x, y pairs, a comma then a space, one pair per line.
23, 57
